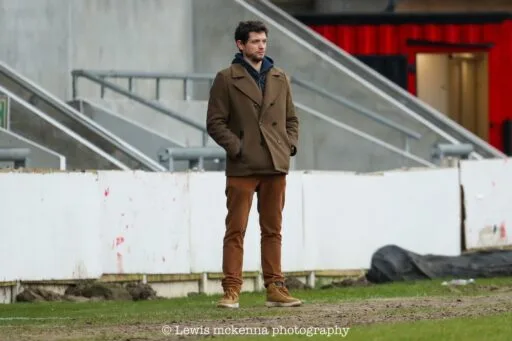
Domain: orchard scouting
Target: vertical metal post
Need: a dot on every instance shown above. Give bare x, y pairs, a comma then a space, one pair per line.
407, 149
407, 144
205, 138
185, 89
102, 88
157, 89
73, 86
130, 83
171, 163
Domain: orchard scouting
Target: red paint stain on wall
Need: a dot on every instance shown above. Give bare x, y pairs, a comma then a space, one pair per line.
119, 240
107, 192
503, 231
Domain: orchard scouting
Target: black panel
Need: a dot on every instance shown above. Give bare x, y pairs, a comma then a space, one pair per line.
507, 137
443, 44
393, 67
403, 18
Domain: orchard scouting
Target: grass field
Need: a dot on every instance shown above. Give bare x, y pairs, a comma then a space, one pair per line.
423, 310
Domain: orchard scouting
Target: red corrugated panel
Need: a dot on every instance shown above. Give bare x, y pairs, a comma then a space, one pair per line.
490, 32
499, 80
432, 32
451, 33
471, 34
347, 38
366, 39
329, 32
407, 31
387, 40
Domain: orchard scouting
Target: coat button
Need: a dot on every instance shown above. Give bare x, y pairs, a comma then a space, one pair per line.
274, 124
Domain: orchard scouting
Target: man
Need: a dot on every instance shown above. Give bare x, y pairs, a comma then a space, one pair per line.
251, 115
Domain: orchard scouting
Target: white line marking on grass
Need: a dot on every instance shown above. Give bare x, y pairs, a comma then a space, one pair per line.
33, 318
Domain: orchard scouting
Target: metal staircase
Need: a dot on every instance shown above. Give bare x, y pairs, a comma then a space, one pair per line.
40, 117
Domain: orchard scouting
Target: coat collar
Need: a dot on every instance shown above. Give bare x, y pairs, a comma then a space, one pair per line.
246, 84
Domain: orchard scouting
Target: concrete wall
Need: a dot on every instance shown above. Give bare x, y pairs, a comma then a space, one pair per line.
143, 138
46, 39
40, 157
174, 129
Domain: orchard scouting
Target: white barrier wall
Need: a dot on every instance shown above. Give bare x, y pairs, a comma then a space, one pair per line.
351, 216
77, 225
488, 200
144, 222
49, 226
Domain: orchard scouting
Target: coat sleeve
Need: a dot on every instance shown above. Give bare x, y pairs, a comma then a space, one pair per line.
292, 121
217, 117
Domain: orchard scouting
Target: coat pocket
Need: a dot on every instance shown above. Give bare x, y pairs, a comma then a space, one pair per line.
242, 147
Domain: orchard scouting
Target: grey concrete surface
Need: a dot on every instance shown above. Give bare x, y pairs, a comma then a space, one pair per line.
164, 125
143, 138
46, 39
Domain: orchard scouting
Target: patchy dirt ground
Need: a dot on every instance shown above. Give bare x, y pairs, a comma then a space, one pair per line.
346, 314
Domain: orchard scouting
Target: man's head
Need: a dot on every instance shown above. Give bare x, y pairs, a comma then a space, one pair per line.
251, 39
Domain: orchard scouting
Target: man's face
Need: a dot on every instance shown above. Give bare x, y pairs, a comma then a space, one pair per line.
255, 47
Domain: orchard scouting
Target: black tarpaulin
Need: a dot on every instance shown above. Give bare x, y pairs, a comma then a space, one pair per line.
392, 263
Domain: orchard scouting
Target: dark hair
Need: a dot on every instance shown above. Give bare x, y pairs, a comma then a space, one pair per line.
245, 27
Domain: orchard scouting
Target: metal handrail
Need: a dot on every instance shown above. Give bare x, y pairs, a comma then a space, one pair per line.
364, 135
343, 101
153, 105
40, 95
19, 101
100, 76
172, 154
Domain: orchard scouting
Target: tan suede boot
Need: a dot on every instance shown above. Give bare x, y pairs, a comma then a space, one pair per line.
230, 299
278, 296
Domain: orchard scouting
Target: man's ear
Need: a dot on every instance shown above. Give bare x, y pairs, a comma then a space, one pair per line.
239, 45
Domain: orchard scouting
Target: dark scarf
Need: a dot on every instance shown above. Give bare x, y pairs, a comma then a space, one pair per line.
259, 77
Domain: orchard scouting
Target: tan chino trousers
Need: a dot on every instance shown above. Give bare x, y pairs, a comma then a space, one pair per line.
240, 191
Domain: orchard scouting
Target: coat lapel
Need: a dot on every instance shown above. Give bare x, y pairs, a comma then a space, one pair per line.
244, 82
274, 85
